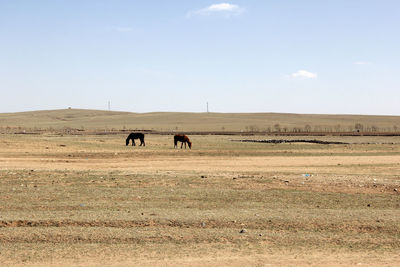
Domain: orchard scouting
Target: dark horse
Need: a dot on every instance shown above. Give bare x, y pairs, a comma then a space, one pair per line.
133, 136
182, 138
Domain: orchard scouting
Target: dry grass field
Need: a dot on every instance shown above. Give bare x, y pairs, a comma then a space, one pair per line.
89, 200
185, 121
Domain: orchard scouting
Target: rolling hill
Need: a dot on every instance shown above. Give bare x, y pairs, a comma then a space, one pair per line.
182, 121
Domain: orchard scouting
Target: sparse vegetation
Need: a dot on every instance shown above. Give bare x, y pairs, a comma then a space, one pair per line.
90, 120
67, 196
67, 199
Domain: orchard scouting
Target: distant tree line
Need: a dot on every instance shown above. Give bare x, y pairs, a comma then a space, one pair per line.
357, 127
275, 128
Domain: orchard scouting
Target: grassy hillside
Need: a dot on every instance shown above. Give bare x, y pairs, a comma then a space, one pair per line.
179, 121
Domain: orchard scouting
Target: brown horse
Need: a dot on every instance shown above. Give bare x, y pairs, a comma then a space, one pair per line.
182, 138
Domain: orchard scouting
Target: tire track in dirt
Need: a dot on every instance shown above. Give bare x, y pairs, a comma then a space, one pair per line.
353, 226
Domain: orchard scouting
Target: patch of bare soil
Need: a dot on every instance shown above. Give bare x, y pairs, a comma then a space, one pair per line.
270, 258
91, 201
353, 226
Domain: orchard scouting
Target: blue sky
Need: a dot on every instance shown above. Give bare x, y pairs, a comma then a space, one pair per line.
298, 56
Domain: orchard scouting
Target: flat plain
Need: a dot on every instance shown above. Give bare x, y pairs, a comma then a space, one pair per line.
90, 200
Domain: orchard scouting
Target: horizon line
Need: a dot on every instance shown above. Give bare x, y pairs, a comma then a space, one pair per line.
200, 112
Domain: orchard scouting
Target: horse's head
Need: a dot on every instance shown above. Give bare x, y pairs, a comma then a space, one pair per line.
190, 144
127, 141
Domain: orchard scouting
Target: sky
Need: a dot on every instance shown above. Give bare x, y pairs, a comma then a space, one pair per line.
292, 56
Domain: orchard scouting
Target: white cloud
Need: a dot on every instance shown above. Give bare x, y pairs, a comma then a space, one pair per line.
224, 9
362, 63
304, 74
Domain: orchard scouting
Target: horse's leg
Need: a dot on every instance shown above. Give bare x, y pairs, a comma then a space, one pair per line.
133, 142
181, 144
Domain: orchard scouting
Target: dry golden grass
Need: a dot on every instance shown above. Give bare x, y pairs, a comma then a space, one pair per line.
90, 200
180, 121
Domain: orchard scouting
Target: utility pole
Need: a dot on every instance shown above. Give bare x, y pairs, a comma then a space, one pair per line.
109, 105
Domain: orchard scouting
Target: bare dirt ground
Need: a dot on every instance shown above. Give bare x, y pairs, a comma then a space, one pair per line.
90, 200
